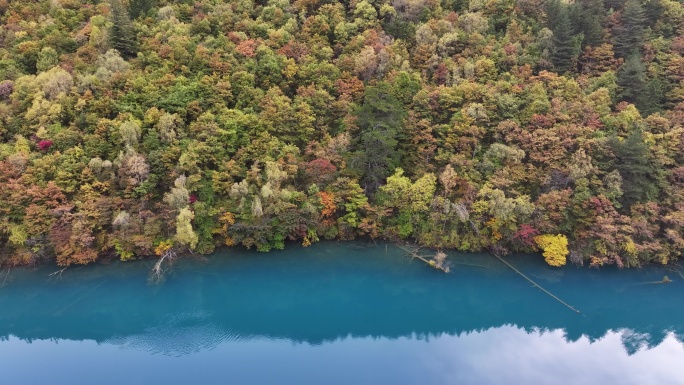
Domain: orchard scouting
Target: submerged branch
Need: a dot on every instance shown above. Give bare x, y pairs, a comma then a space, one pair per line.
6, 275
665, 279
437, 261
676, 272
57, 273
159, 269
537, 285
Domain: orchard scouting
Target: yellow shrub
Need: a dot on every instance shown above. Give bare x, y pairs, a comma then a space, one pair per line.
554, 247
630, 247
163, 247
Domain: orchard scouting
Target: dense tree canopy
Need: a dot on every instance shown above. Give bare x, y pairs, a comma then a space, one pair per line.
131, 128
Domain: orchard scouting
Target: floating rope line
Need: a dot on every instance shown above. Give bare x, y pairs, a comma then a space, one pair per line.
81, 297
470, 264
537, 285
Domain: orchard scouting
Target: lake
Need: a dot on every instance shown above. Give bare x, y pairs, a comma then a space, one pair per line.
340, 313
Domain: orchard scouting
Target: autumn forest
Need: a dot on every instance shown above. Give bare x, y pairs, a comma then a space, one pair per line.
139, 128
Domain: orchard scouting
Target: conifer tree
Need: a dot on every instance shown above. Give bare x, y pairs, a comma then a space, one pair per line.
563, 45
553, 11
614, 4
653, 98
121, 35
138, 8
380, 121
628, 36
590, 18
631, 78
632, 159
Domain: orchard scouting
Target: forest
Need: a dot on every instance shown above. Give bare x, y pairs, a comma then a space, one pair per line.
140, 128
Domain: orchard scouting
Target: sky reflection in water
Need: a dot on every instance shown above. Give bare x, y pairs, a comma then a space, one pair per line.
341, 313
504, 355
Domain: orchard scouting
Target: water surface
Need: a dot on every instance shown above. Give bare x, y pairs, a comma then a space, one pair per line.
340, 313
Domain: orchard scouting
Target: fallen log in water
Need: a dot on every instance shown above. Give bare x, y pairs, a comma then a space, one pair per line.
437, 261
665, 279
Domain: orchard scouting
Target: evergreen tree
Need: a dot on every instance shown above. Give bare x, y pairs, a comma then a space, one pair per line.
380, 121
654, 97
553, 11
589, 16
631, 78
628, 36
121, 35
653, 11
563, 45
138, 8
640, 178
614, 4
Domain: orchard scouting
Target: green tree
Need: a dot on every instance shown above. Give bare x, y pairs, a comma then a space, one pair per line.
563, 42
631, 78
47, 58
139, 8
628, 36
121, 34
408, 199
380, 122
590, 19
639, 174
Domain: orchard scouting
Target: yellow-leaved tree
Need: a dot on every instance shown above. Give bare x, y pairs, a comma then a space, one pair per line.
554, 247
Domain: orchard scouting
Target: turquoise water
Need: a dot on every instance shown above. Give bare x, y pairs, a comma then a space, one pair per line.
340, 313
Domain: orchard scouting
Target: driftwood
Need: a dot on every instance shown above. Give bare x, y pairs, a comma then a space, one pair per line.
437, 261
537, 285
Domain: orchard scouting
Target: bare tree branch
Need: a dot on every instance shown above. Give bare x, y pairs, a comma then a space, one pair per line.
57, 274
159, 270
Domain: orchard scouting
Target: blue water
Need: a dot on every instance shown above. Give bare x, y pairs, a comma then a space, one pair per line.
340, 313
